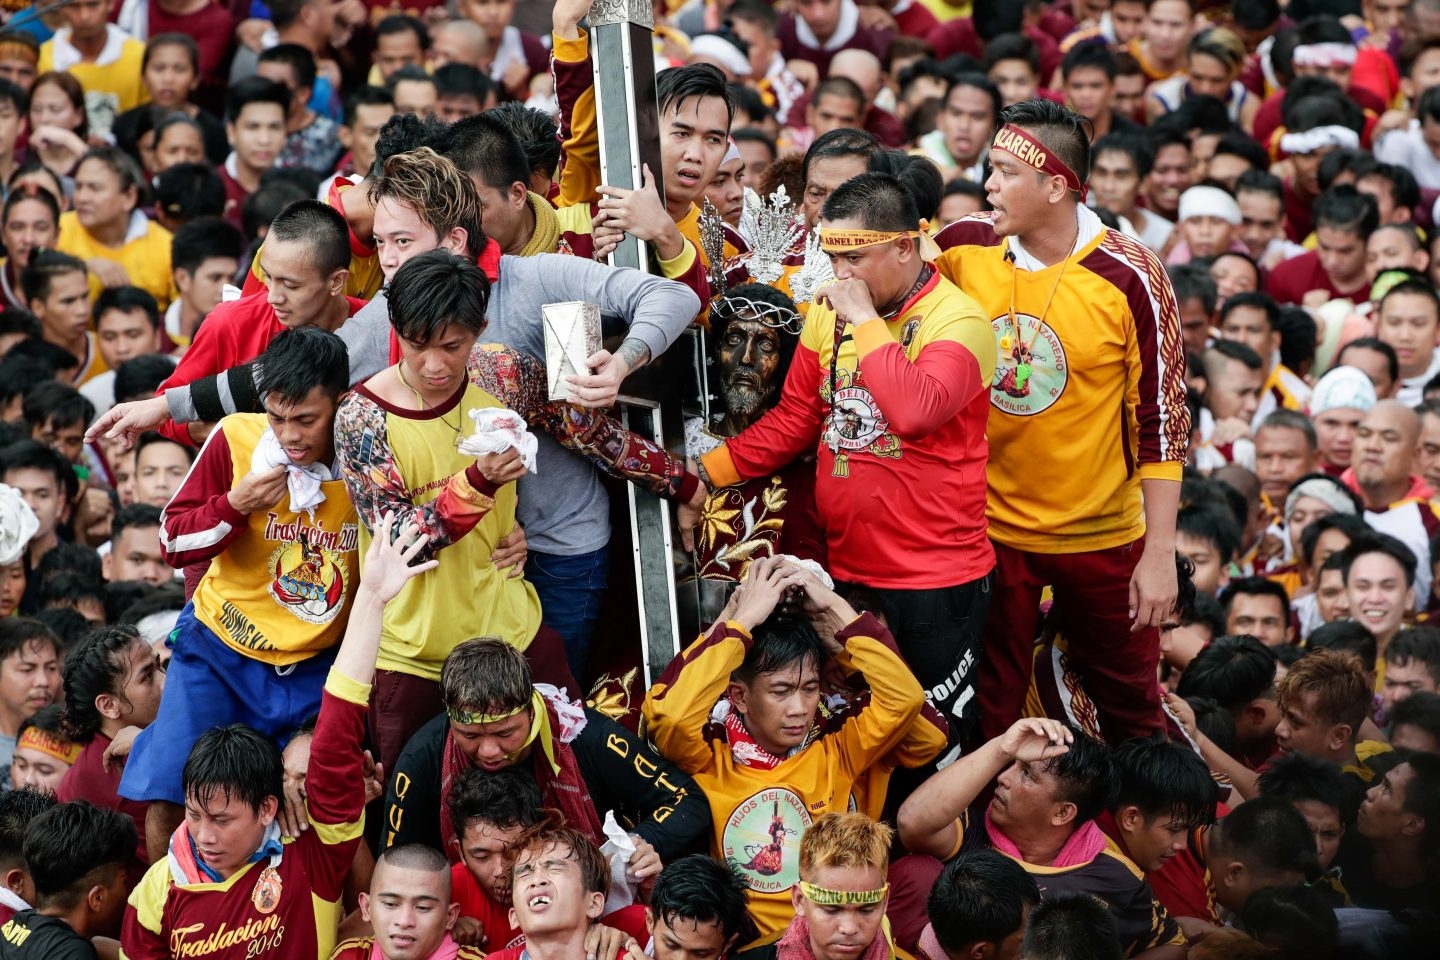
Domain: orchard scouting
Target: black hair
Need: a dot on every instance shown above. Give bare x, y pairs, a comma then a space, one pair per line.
58, 404
1391, 547
15, 95
71, 846
1213, 720
1166, 779
22, 372
918, 175
405, 132
463, 80
1255, 299
34, 455
1075, 926
1416, 288
750, 107
1232, 671
398, 23
69, 589
1213, 524
412, 73
780, 644
1349, 524
152, 437
1193, 282
298, 58
1346, 636
202, 239
69, 558
44, 266
844, 142
1012, 46
169, 598
678, 84
1376, 345
1420, 709
297, 361
17, 809
1295, 921
482, 145
1261, 181
1238, 144
126, 300
285, 12
262, 207
189, 191
1269, 835
182, 40
120, 163
537, 134
1283, 419
254, 90
139, 377
1422, 797
703, 890
135, 516
980, 897
18, 320
752, 135
1255, 587
1404, 188
1207, 613
435, 289
320, 226
975, 80
233, 762
840, 87
1084, 56
1298, 333
1060, 130
1085, 775
1342, 207
1420, 644
95, 665
1341, 162
877, 200
366, 96
1255, 14
1133, 144
504, 799
1299, 777
1237, 351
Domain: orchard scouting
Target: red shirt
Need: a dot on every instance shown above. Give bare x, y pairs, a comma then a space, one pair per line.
233, 333
628, 920
212, 29
89, 780
476, 903
1292, 279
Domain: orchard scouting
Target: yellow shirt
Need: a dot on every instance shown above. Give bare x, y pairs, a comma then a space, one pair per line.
111, 83
145, 255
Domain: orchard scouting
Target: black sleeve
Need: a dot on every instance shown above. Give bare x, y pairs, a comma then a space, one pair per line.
649, 794
412, 798
230, 391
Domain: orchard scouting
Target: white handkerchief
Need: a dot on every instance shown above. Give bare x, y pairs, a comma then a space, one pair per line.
304, 482
498, 429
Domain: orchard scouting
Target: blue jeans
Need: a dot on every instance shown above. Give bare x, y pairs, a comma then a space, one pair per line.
570, 591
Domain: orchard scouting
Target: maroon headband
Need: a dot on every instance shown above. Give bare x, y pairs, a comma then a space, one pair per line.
1033, 153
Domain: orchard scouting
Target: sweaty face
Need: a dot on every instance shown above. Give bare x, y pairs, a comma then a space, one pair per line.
1025, 796
42, 494
139, 699
749, 361
1388, 249
438, 365
1378, 593
1382, 815
409, 910
1325, 823
1233, 274
842, 932
1261, 616
68, 440
482, 849
1151, 841
304, 427
685, 939
494, 746
1427, 454
779, 707
399, 235
203, 289
1282, 456
549, 894
65, 313
1303, 731
226, 830
299, 292
883, 268
693, 139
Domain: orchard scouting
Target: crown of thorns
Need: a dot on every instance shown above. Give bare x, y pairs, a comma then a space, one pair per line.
771, 315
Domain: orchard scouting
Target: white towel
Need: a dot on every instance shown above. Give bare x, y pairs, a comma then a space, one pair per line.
304, 482
17, 525
497, 430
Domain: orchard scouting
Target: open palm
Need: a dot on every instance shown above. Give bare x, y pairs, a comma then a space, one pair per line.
387, 562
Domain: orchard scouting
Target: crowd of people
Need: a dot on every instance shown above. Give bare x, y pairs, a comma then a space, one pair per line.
1058, 501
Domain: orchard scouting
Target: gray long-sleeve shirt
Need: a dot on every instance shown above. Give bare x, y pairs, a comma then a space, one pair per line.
562, 506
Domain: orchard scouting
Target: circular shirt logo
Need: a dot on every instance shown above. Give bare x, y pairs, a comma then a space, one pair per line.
857, 419
1030, 366
762, 839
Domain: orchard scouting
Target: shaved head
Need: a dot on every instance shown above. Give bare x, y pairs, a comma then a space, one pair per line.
861, 66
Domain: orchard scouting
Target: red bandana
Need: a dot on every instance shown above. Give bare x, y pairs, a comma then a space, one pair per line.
1033, 153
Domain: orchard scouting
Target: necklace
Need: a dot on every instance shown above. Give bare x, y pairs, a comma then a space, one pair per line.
400, 372
1014, 342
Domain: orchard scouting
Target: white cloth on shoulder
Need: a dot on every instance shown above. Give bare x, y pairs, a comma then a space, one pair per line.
17, 525
497, 429
304, 482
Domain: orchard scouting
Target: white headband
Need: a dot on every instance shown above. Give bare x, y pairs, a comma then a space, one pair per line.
1312, 140
1324, 55
722, 51
1209, 202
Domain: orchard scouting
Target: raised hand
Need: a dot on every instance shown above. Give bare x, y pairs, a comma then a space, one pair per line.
1035, 739
387, 565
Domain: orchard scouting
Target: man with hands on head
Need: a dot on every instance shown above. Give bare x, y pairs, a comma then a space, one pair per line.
777, 767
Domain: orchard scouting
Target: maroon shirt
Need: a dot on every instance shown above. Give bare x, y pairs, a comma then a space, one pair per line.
1292, 279
792, 49
235, 197
89, 780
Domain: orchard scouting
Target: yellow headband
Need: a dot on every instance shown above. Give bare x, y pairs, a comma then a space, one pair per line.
47, 743
821, 896
842, 241
539, 725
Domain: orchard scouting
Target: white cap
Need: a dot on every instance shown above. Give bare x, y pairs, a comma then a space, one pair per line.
1344, 388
